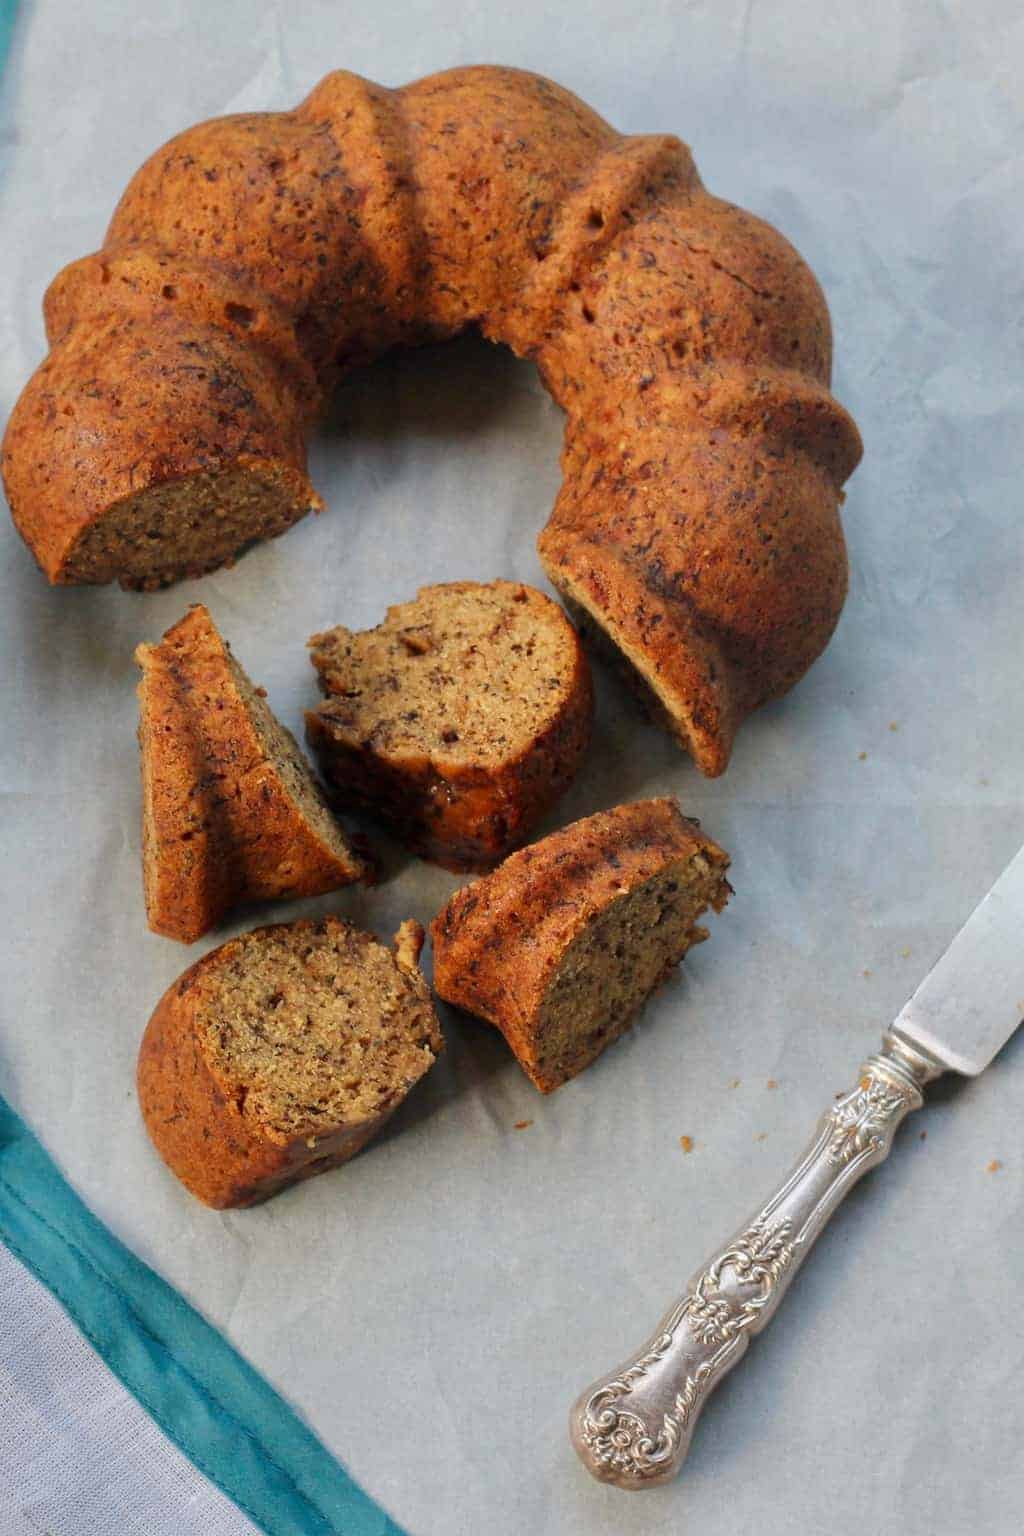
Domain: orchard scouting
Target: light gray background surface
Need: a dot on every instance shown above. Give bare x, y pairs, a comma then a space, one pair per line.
433, 1308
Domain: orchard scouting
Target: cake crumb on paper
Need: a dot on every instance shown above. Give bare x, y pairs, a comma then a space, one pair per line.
522, 1125
761, 1136
894, 725
994, 1166
862, 757
686, 1142
735, 1083
771, 1083
904, 954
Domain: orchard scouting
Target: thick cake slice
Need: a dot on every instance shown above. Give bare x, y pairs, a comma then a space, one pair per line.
282, 1053
562, 944
459, 721
231, 811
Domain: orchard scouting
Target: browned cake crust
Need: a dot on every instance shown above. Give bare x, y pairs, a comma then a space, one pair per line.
459, 721
562, 943
256, 257
230, 810
204, 1115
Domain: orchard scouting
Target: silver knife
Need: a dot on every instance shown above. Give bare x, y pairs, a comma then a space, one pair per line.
633, 1427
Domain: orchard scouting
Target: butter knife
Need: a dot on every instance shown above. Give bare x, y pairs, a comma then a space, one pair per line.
633, 1427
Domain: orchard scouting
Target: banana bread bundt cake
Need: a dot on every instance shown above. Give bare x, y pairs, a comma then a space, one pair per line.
256, 257
230, 810
280, 1054
459, 720
562, 944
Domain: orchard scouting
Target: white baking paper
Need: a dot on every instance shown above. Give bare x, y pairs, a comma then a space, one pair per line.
433, 1308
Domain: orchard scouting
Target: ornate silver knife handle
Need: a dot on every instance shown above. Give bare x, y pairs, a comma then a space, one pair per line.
633, 1427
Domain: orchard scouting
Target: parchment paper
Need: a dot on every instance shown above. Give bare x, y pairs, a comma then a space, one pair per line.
434, 1308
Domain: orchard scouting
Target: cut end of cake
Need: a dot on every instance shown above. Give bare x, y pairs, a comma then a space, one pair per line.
686, 692
182, 528
459, 720
281, 1054
607, 973
563, 943
466, 674
319, 1024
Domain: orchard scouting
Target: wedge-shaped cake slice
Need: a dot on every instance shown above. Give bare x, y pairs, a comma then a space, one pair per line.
280, 1054
231, 811
562, 944
459, 721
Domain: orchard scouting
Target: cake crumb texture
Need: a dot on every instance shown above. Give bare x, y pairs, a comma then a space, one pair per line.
459, 721
281, 1053
560, 947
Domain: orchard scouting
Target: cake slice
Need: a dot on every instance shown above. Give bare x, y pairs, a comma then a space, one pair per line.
562, 944
231, 812
459, 721
280, 1054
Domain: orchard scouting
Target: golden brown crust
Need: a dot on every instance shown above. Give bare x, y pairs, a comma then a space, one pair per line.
498, 942
462, 813
135, 396
220, 825
198, 1122
688, 344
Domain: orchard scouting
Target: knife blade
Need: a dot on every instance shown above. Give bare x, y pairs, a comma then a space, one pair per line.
633, 1427
972, 1000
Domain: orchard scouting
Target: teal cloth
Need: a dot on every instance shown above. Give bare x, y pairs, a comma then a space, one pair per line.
8, 11
215, 1407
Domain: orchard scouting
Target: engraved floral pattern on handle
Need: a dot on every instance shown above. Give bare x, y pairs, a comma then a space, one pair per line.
860, 1118
621, 1440
633, 1428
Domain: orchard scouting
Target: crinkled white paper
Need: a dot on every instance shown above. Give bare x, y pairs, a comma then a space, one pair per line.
433, 1308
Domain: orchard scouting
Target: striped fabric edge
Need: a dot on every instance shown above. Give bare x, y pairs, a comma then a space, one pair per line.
214, 1406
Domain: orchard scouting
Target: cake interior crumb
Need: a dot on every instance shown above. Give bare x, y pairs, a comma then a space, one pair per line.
187, 526
282, 750
462, 673
320, 1026
610, 968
